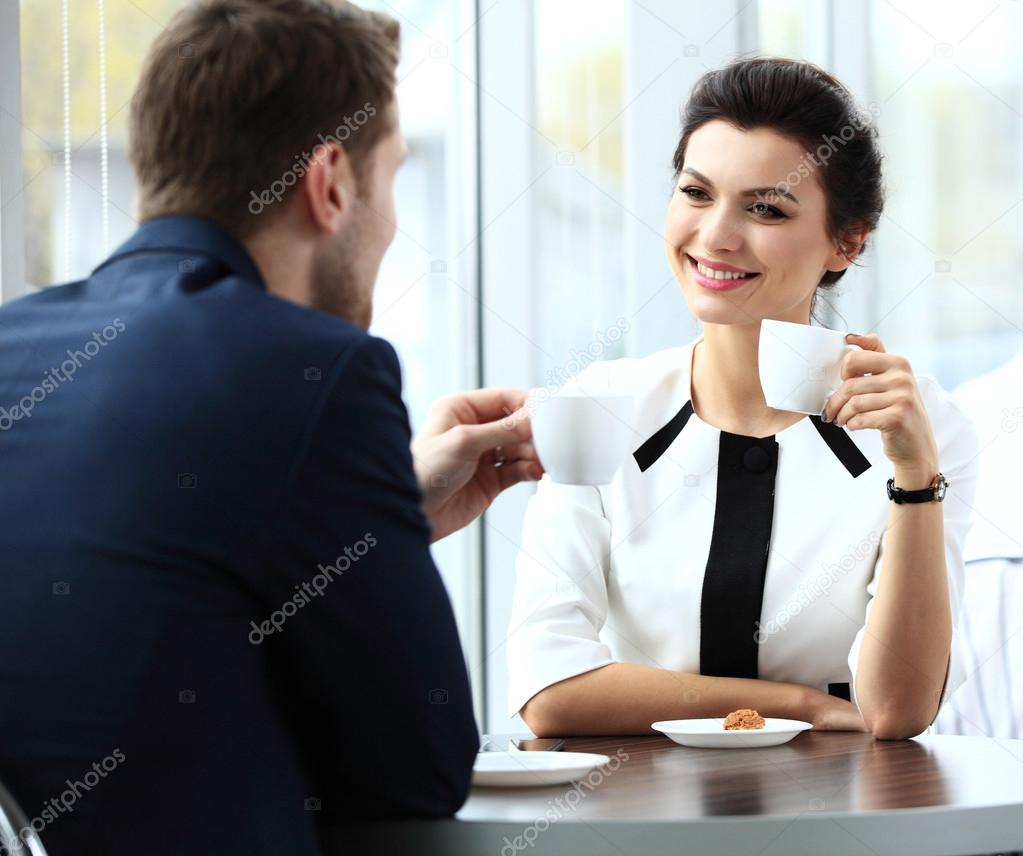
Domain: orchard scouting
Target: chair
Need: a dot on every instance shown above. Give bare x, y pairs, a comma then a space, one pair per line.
990, 702
12, 824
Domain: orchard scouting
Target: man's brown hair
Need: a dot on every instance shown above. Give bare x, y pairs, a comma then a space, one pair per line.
235, 95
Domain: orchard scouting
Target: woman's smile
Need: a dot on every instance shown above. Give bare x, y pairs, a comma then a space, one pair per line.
718, 276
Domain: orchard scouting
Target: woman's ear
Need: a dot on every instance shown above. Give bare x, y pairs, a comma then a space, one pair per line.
849, 249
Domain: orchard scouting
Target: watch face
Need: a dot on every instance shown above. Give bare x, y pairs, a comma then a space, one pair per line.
940, 488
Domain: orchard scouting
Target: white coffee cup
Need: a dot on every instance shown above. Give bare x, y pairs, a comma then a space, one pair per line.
582, 435
800, 365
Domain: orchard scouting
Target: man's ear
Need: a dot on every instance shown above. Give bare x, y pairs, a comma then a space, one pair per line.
328, 188
849, 249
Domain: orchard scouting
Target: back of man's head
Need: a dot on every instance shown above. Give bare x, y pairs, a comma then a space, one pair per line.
235, 96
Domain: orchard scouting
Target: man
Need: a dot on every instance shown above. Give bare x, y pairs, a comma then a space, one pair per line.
223, 628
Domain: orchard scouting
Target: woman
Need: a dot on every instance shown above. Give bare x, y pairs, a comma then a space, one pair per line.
746, 556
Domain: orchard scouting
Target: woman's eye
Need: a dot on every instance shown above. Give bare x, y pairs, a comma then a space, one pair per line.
695, 193
769, 212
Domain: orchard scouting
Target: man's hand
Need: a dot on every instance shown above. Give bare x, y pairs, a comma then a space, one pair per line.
473, 446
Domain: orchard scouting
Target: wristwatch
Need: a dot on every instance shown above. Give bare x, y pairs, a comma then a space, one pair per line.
934, 493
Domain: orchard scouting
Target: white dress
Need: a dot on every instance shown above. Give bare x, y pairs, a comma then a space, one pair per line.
714, 553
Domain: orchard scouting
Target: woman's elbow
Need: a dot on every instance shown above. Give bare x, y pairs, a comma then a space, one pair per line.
893, 727
540, 713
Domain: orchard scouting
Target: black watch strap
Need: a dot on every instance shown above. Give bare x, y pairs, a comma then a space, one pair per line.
934, 493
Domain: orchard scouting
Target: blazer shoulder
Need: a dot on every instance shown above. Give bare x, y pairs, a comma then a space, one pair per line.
331, 345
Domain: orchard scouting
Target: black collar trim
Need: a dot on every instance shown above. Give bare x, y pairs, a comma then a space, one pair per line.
843, 446
647, 454
840, 443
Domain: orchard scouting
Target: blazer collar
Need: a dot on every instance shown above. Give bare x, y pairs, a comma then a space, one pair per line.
186, 236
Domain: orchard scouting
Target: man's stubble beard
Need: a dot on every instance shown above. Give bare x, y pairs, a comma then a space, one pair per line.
341, 286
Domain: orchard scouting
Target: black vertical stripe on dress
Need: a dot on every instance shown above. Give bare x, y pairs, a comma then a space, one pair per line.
733, 583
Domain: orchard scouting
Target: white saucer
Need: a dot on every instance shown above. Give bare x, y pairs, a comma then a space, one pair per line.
526, 769
710, 733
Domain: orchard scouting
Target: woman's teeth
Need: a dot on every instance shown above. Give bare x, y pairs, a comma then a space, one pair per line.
710, 273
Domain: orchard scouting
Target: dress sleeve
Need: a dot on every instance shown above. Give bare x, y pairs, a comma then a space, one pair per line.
560, 602
958, 450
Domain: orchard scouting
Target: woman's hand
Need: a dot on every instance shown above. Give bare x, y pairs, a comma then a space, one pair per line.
828, 713
473, 446
879, 391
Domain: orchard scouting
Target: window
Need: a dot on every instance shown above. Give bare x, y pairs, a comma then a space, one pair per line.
947, 84
77, 183
800, 29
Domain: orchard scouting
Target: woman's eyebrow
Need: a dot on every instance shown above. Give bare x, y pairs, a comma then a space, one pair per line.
755, 191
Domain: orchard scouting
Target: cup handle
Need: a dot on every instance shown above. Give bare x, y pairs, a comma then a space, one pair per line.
848, 349
836, 379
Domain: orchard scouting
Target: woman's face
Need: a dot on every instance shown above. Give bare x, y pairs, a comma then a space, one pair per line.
727, 214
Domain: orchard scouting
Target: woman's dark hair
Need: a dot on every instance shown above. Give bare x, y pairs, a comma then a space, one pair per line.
803, 102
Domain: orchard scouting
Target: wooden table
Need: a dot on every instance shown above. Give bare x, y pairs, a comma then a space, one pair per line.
830, 793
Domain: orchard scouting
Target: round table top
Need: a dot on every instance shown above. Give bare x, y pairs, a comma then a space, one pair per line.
837, 793
836, 772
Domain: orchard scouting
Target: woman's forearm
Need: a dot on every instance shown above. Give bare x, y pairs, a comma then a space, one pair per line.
625, 698
905, 651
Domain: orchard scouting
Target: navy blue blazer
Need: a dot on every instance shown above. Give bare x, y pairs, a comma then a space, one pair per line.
222, 627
